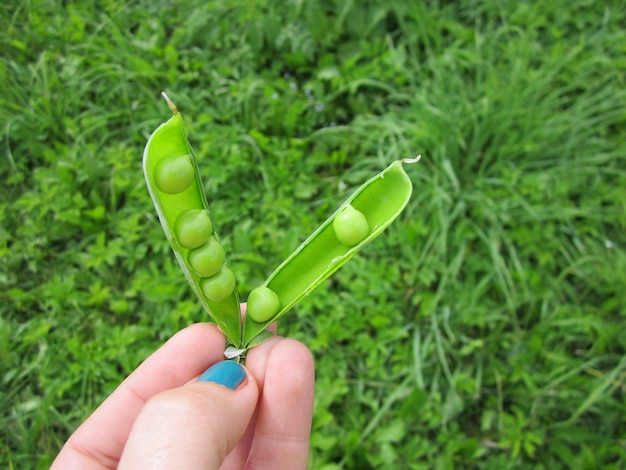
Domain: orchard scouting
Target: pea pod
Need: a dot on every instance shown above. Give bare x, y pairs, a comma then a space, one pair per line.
358, 221
171, 173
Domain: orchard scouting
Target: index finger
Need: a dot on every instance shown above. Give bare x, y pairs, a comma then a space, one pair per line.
98, 443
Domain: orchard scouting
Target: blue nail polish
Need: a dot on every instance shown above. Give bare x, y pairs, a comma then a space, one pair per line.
226, 373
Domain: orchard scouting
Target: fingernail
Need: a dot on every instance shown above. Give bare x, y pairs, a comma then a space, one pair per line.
226, 373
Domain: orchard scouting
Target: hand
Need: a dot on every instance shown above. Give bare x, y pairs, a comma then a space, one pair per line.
162, 417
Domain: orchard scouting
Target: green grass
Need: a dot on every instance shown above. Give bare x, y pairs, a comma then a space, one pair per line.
483, 330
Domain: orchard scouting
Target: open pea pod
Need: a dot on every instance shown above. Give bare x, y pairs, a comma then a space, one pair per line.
171, 173
358, 221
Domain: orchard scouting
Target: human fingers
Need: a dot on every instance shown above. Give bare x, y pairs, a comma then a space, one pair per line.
195, 426
255, 363
99, 441
283, 421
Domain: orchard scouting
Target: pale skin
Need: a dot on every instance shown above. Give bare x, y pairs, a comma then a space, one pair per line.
160, 417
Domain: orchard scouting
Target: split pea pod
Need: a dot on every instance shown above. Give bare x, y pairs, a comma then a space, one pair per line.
358, 221
171, 173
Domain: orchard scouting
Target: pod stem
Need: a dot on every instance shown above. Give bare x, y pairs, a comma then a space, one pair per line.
169, 103
411, 160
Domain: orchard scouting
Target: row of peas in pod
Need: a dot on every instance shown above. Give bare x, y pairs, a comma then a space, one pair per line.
194, 231
171, 172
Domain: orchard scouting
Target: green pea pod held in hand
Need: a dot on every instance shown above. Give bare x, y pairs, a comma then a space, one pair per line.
358, 221
171, 173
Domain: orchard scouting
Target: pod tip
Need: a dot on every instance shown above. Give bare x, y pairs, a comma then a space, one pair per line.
169, 102
411, 160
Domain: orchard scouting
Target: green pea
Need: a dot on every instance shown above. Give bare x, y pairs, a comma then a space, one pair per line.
207, 259
174, 174
351, 226
193, 228
217, 288
263, 304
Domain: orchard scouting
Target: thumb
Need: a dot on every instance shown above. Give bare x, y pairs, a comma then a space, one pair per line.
194, 426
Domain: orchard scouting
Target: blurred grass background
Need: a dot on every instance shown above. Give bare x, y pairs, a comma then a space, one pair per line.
485, 329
